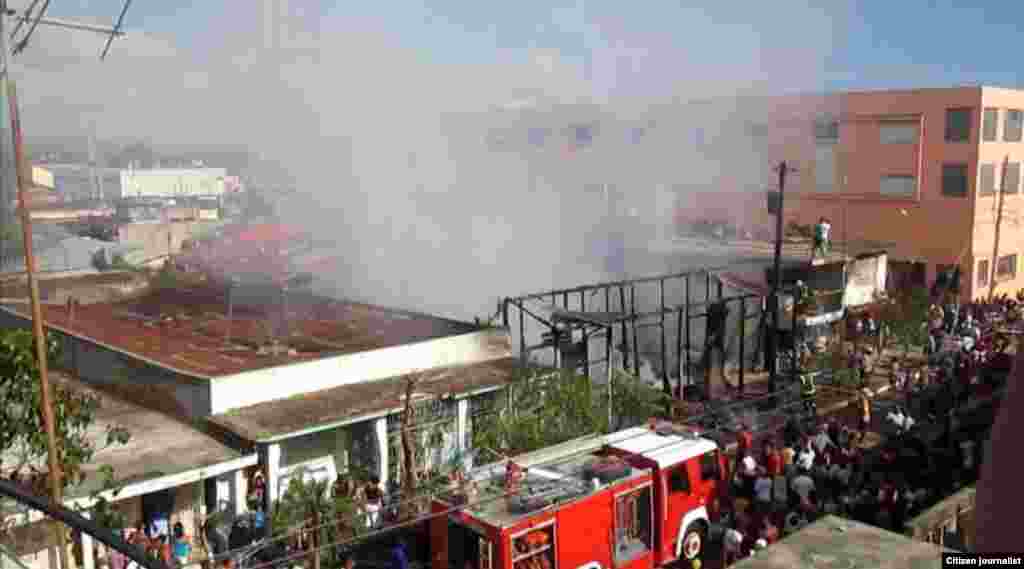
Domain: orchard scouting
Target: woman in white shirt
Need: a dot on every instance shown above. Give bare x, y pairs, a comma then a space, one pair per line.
805, 458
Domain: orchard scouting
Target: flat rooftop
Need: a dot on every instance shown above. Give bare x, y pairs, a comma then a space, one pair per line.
186, 329
837, 542
274, 419
159, 445
793, 250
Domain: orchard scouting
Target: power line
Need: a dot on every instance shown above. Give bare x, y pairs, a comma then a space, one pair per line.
28, 12
28, 35
117, 29
80, 26
35, 18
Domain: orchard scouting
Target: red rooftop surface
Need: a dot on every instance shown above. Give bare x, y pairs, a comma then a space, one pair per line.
186, 328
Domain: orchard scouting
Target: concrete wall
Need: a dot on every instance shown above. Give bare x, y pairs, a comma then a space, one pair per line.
323, 461
87, 287
152, 238
934, 228
250, 388
143, 383
1011, 226
173, 182
955, 514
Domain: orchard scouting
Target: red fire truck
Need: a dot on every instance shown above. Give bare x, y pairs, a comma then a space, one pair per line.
635, 499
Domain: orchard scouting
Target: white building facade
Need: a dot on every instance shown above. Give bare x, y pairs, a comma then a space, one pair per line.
173, 183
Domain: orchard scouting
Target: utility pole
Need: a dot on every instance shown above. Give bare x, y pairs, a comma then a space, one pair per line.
773, 299
37, 321
999, 222
7, 89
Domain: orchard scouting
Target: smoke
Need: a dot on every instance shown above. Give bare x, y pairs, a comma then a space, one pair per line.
392, 124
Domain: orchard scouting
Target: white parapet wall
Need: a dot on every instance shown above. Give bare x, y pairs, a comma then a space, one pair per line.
281, 382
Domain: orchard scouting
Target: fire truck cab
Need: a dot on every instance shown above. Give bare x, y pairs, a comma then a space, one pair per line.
635, 499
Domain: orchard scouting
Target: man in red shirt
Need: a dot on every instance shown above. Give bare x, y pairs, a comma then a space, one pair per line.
772, 459
744, 442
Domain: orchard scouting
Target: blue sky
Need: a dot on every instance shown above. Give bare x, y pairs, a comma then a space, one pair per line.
489, 52
862, 44
873, 42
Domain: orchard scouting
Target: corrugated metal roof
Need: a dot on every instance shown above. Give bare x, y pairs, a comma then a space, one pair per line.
185, 328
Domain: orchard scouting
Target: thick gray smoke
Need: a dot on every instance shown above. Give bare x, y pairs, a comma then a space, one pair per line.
421, 172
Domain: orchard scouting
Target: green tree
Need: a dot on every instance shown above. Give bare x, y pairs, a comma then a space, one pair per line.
905, 314
309, 504
548, 408
23, 442
11, 240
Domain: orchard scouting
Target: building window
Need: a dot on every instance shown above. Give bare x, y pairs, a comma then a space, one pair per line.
1011, 178
954, 180
1006, 268
1014, 123
698, 137
897, 185
898, 132
987, 179
538, 136
958, 125
583, 136
983, 272
825, 168
989, 125
679, 480
826, 129
633, 525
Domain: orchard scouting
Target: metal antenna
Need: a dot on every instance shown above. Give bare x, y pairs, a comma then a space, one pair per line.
30, 15
21, 21
117, 29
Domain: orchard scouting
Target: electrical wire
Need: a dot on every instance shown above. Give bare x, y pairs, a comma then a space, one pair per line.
116, 30
20, 47
22, 20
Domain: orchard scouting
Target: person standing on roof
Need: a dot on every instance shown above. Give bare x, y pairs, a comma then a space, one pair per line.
822, 238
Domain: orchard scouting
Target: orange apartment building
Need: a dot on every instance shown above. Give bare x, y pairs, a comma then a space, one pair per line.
921, 169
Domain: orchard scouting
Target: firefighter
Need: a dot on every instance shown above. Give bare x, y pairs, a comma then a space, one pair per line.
714, 343
803, 293
865, 396
808, 389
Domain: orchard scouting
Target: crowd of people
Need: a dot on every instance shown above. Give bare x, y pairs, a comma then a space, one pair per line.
790, 481
174, 550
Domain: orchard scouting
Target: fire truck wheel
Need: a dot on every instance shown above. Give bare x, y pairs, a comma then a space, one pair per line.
693, 542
